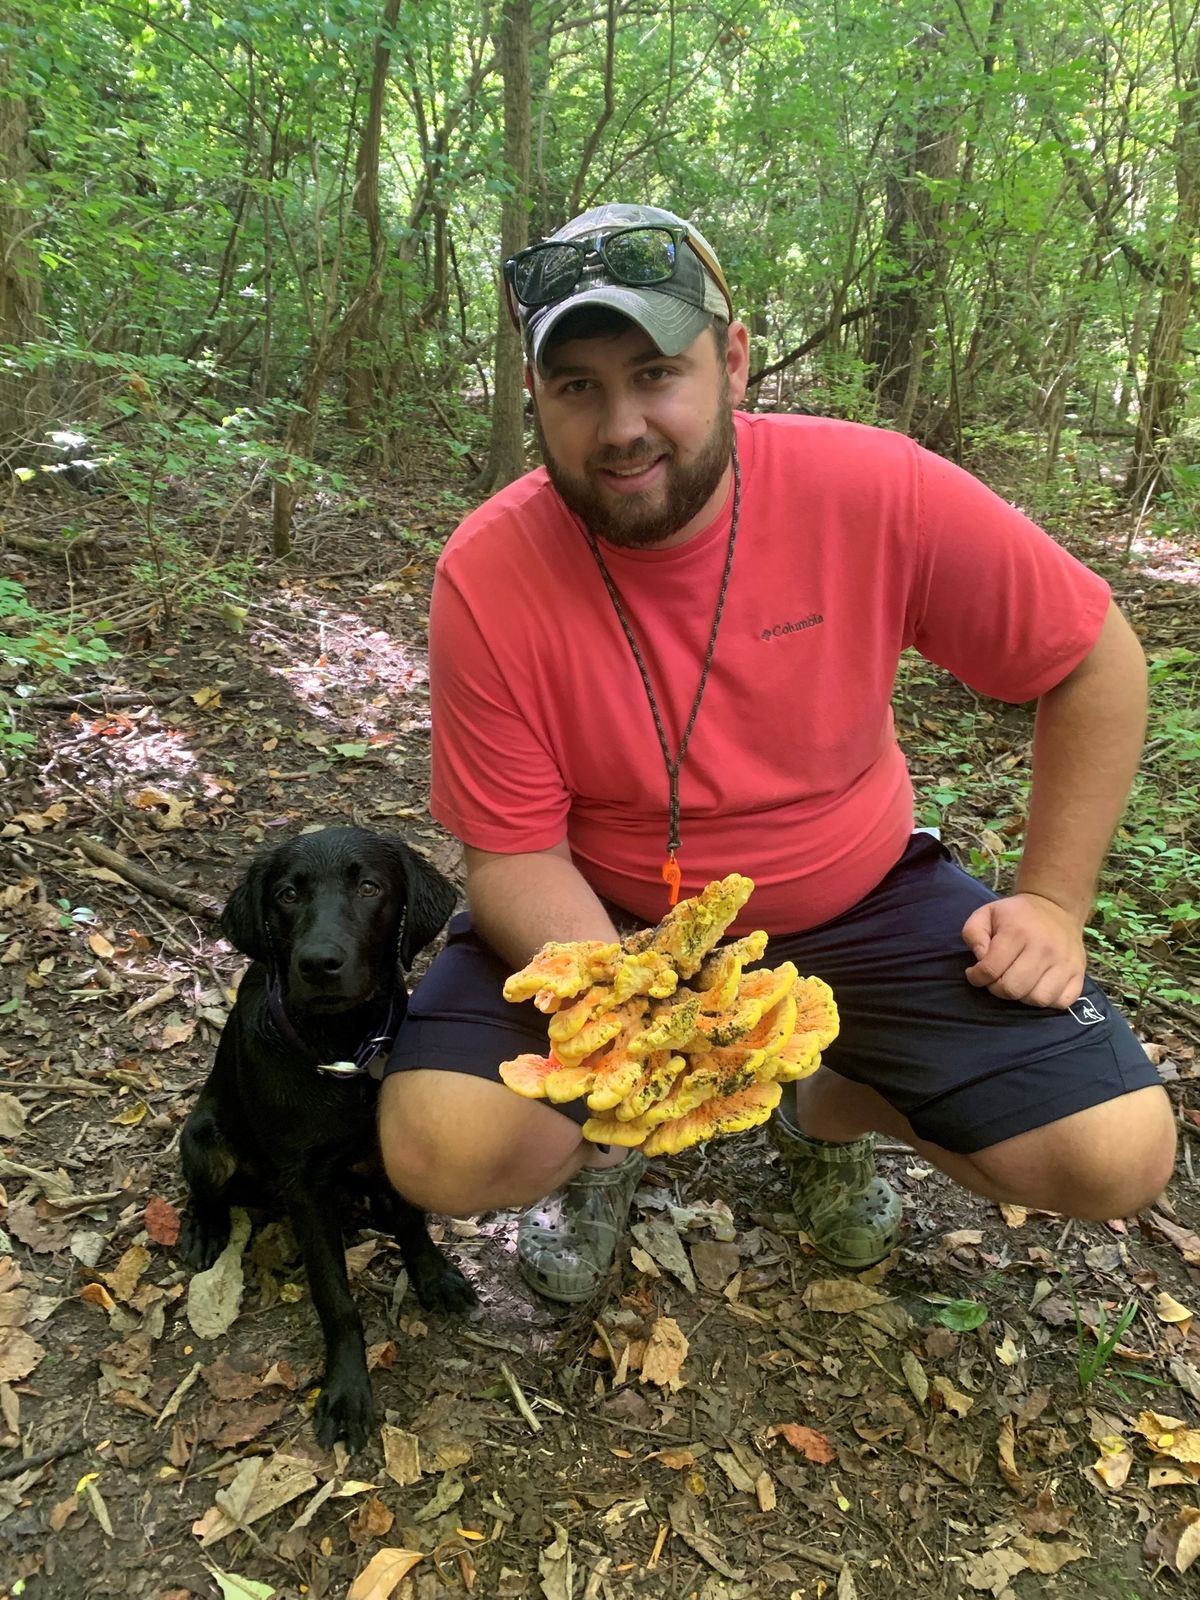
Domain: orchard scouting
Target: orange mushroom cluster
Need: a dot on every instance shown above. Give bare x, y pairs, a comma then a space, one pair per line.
671, 1040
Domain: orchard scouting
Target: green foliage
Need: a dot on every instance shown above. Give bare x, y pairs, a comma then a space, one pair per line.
34, 646
1094, 1351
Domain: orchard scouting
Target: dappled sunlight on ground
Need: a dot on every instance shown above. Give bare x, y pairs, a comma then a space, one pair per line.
1170, 560
343, 671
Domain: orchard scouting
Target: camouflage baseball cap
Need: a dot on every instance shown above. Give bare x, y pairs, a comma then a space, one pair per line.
673, 312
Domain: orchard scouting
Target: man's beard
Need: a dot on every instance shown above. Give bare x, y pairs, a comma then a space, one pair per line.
635, 521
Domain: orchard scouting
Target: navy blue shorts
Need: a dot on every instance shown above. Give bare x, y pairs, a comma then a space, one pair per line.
965, 1068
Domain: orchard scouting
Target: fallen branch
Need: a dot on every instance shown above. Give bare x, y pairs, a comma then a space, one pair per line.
72, 1442
190, 900
100, 700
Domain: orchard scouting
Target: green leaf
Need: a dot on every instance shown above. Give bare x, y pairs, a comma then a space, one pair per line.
355, 752
960, 1315
235, 1588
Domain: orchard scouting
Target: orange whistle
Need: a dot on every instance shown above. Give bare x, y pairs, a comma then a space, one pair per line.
672, 877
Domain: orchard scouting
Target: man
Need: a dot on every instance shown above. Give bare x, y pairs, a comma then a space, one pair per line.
670, 654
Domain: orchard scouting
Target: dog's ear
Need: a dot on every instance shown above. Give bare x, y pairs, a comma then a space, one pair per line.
244, 919
430, 899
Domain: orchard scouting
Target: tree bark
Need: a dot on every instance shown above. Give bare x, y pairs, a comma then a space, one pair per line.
506, 453
23, 400
331, 347
925, 153
1162, 390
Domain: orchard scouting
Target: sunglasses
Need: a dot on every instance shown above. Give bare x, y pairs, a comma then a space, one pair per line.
638, 257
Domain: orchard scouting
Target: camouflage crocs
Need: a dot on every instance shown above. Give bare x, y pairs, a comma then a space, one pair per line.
566, 1244
850, 1213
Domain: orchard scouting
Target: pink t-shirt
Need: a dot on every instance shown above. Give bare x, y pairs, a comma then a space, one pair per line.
853, 543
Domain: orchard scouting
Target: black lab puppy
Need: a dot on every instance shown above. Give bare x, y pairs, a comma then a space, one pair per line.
326, 918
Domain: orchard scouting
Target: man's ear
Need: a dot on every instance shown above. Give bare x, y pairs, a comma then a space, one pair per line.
429, 897
737, 361
244, 919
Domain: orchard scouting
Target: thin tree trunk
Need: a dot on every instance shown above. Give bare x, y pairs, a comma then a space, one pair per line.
506, 453
331, 346
926, 149
1162, 391
23, 400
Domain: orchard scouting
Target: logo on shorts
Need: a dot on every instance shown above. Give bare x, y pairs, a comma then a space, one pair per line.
1086, 1013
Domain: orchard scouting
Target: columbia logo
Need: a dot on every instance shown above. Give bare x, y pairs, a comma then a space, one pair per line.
1086, 1014
813, 620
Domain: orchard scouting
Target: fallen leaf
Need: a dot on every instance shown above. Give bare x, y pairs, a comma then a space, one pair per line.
382, 1573
401, 1455
1169, 1436
953, 1400
1009, 1470
666, 1351
19, 1354
841, 1295
215, 1296
12, 1117
161, 1221
1115, 1462
1177, 1540
813, 1446
234, 1588
100, 946
131, 1116
1168, 1309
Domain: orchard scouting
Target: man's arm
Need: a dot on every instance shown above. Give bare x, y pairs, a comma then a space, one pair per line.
1087, 743
517, 902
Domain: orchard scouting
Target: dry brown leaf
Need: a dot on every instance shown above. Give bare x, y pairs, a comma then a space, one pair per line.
379, 1578
841, 1295
1115, 1461
666, 1351
1048, 1558
372, 1520
1168, 1309
813, 1446
19, 1354
401, 1455
1170, 1436
161, 1220
1009, 1470
952, 1399
123, 1279
1177, 1540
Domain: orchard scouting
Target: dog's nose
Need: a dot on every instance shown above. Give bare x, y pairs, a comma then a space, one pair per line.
318, 964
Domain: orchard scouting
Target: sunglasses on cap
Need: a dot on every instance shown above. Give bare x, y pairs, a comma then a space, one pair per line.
639, 257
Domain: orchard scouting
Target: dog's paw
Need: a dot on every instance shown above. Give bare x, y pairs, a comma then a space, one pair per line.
440, 1286
345, 1410
200, 1243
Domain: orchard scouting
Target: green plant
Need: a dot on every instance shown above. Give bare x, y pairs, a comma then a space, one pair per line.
1092, 1359
41, 646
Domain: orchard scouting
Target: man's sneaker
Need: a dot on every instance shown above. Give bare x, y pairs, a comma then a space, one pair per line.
850, 1213
566, 1244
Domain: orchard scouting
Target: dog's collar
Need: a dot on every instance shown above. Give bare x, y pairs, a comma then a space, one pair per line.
376, 1044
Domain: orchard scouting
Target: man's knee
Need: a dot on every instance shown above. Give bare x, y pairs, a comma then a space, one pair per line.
1112, 1160
456, 1144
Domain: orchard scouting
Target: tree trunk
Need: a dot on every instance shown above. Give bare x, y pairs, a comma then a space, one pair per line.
926, 149
331, 347
23, 400
1163, 389
363, 374
506, 453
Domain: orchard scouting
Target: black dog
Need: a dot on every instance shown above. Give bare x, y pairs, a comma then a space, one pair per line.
325, 917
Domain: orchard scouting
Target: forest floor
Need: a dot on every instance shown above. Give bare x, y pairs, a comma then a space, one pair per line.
944, 1425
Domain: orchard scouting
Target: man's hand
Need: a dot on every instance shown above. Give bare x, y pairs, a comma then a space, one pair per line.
1026, 948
